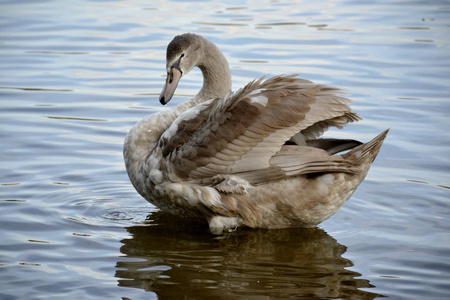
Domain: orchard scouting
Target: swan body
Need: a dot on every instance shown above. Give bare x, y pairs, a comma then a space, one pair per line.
251, 158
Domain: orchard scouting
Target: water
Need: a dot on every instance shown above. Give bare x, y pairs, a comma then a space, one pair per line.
74, 78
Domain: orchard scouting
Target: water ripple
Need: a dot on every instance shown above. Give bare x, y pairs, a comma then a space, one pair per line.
76, 77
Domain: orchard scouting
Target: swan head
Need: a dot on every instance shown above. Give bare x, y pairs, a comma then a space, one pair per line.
183, 54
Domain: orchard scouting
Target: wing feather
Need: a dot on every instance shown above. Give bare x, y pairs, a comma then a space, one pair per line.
243, 133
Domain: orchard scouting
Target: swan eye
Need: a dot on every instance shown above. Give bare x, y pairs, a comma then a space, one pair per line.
182, 55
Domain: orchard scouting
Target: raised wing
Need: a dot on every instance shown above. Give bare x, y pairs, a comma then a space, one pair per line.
240, 133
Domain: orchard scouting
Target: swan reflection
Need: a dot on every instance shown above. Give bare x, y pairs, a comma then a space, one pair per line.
175, 259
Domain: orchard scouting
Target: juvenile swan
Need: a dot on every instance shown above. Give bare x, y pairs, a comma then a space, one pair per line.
251, 158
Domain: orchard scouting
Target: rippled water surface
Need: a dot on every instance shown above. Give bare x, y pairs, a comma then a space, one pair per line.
76, 75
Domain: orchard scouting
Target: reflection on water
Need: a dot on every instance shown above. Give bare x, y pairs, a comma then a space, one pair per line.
174, 260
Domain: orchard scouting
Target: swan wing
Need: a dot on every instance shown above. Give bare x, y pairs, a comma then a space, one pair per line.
240, 134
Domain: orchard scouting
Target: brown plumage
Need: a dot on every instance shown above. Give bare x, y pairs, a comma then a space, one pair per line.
250, 158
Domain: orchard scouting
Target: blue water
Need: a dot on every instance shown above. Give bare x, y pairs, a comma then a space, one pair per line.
75, 76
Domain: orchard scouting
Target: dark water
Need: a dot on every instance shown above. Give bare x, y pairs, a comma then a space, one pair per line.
75, 76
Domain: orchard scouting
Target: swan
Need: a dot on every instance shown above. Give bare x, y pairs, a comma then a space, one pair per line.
252, 158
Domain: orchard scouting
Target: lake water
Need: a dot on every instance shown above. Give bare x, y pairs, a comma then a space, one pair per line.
76, 75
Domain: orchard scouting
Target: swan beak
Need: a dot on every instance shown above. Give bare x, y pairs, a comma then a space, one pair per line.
171, 85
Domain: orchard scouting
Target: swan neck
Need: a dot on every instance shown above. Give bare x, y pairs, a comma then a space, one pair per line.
216, 72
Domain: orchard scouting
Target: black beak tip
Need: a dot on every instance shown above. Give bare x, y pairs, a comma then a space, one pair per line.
162, 100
